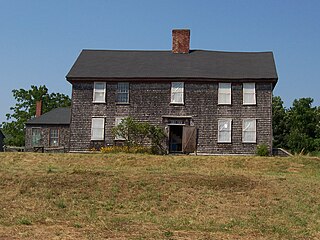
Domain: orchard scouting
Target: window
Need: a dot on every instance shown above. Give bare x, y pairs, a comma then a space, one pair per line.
177, 89
249, 93
123, 92
117, 122
224, 130
249, 130
224, 93
54, 138
36, 136
99, 92
97, 129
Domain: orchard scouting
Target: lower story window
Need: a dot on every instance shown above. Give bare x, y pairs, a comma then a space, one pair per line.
54, 138
224, 130
249, 131
97, 128
118, 120
36, 137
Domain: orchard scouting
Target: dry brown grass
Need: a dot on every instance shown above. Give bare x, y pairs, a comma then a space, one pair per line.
123, 196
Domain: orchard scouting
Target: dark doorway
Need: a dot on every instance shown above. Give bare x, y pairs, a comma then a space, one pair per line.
175, 138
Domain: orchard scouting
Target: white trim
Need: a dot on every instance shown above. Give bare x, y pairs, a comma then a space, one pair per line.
249, 89
95, 91
229, 131
101, 137
176, 89
224, 89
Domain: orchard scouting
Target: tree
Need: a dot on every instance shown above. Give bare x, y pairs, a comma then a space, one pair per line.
279, 118
303, 123
25, 109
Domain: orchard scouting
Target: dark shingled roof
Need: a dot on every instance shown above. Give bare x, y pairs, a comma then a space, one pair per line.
56, 116
165, 64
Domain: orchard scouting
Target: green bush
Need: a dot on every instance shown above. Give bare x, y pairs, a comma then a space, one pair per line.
262, 150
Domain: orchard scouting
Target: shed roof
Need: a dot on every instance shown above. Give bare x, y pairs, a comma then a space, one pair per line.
57, 116
93, 64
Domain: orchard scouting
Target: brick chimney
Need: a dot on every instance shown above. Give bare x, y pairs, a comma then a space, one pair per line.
38, 108
180, 40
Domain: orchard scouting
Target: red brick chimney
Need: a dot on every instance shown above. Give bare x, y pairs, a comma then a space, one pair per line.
180, 40
38, 108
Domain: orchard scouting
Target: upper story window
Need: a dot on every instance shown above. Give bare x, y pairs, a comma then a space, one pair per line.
177, 92
54, 137
36, 136
249, 93
224, 93
224, 130
123, 92
249, 130
99, 92
97, 128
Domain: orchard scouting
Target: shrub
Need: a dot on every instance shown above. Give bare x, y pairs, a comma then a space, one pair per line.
262, 150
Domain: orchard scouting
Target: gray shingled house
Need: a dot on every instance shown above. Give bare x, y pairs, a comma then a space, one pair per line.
49, 132
207, 101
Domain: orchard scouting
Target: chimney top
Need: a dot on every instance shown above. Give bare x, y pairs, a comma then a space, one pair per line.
180, 40
38, 108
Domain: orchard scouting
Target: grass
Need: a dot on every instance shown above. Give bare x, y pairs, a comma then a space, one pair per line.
127, 196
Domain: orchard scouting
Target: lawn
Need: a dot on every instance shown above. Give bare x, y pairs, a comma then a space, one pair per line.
126, 196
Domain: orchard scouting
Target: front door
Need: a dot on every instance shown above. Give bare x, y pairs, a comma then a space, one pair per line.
182, 139
175, 138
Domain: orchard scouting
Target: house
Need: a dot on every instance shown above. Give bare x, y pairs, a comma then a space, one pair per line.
207, 101
50, 131
2, 137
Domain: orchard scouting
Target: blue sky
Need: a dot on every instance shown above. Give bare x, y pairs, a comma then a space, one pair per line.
40, 39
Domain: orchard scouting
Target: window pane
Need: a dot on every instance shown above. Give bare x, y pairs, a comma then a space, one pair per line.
224, 130
249, 130
224, 93
99, 92
118, 120
97, 129
123, 93
99, 86
54, 138
249, 95
177, 89
36, 136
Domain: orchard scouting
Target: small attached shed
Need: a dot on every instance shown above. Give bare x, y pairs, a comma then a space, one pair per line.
49, 132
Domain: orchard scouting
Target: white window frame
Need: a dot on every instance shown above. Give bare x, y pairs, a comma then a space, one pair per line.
96, 91
176, 89
116, 123
53, 137
245, 129
101, 127
224, 93
228, 130
121, 91
249, 89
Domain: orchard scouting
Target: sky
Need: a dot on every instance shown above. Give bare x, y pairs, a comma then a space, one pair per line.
41, 39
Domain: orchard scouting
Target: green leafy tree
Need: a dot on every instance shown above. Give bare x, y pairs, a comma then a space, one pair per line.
25, 109
137, 133
303, 123
279, 122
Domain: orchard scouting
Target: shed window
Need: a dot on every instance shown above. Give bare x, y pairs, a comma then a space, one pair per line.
224, 130
99, 92
36, 136
54, 138
249, 94
123, 92
249, 131
224, 93
177, 92
97, 129
118, 120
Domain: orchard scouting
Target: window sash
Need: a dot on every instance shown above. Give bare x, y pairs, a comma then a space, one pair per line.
224, 130
249, 93
249, 131
54, 138
123, 92
224, 93
97, 129
117, 122
99, 92
36, 136
177, 92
